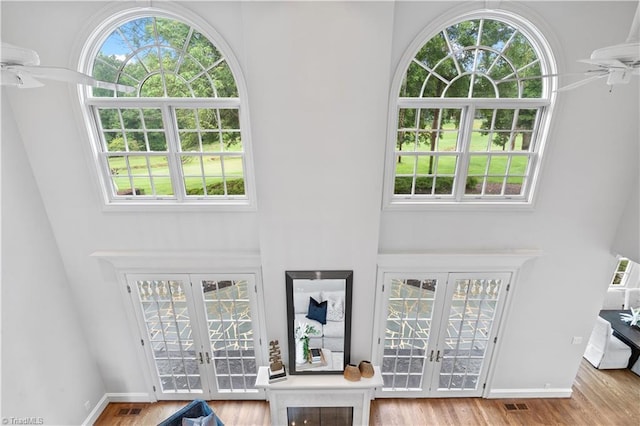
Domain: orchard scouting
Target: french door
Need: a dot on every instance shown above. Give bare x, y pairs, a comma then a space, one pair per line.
199, 333
438, 332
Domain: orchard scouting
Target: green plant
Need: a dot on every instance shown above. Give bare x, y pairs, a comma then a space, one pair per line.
234, 187
303, 330
424, 185
117, 144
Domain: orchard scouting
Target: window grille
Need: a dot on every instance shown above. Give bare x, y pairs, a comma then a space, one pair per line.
471, 109
180, 137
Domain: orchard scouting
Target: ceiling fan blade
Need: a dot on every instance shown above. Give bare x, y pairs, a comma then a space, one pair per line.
532, 77
71, 76
535, 77
9, 78
13, 76
581, 82
605, 63
14, 55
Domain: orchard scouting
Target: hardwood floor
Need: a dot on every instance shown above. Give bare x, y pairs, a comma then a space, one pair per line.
600, 397
230, 412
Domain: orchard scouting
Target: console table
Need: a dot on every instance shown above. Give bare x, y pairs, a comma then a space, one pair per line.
299, 391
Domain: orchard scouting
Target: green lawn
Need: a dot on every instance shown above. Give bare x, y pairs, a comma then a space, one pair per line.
478, 163
160, 172
233, 166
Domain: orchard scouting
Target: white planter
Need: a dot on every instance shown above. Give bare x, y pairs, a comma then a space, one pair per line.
300, 351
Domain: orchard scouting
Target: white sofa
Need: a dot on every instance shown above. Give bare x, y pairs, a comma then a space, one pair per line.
632, 298
331, 334
614, 299
621, 298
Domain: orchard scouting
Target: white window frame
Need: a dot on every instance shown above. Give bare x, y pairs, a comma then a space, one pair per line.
545, 103
178, 201
624, 275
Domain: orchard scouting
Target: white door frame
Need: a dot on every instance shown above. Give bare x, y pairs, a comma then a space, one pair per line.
510, 261
123, 262
436, 314
255, 325
506, 279
145, 343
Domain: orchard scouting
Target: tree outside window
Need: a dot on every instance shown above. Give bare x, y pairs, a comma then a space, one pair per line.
179, 136
471, 104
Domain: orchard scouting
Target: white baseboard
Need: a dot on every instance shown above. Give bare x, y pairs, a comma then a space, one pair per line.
115, 397
97, 410
130, 397
530, 393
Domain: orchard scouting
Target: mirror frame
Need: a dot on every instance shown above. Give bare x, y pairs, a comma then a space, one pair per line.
290, 276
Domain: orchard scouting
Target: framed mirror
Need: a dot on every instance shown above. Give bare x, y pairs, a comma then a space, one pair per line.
319, 321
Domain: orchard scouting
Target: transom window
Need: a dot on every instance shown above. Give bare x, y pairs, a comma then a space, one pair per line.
470, 116
179, 136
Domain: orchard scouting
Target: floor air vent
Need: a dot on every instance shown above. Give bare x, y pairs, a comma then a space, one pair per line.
129, 412
516, 407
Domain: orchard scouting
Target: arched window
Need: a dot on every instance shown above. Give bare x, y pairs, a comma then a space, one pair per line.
471, 114
180, 135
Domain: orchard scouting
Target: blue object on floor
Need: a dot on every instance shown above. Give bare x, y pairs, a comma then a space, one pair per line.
193, 410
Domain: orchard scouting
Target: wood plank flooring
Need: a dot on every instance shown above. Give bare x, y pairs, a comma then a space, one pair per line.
600, 397
241, 413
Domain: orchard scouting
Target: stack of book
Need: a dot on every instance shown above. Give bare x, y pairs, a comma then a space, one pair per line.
277, 371
277, 375
315, 355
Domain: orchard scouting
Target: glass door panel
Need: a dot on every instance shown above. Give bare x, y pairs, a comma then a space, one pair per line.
200, 333
438, 332
468, 331
227, 306
174, 350
410, 307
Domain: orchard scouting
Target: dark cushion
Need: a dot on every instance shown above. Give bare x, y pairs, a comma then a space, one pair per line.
317, 311
196, 408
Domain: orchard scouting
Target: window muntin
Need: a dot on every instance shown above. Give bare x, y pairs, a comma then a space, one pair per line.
162, 57
470, 107
179, 137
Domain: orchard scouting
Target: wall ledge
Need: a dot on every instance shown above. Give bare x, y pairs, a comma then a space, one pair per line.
170, 259
462, 260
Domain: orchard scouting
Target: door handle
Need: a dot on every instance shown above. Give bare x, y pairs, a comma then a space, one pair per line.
431, 356
208, 359
201, 360
438, 357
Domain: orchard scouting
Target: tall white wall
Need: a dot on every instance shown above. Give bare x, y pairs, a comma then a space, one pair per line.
318, 76
48, 369
627, 239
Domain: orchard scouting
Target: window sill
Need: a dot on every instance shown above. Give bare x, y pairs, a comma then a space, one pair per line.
151, 206
467, 205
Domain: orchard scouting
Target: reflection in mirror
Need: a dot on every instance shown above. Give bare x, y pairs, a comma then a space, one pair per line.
319, 321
